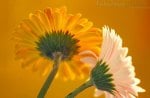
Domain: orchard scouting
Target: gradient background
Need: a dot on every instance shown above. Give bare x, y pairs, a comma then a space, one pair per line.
132, 23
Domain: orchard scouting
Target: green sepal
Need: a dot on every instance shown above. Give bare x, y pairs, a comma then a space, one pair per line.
101, 78
59, 41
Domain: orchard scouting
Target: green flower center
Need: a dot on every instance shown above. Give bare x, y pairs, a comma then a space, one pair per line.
54, 42
101, 79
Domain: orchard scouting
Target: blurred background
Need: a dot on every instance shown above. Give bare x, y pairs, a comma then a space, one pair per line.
130, 19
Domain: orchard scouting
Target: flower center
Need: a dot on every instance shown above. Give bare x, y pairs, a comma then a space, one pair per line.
101, 79
53, 42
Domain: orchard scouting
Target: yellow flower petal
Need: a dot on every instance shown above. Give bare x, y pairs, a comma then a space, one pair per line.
53, 20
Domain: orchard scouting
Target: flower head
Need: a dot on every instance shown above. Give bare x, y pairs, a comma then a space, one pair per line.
47, 32
114, 73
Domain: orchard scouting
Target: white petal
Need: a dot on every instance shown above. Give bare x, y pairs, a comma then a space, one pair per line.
136, 81
139, 89
124, 52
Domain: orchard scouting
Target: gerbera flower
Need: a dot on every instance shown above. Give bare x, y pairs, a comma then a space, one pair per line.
112, 72
53, 30
51, 38
122, 80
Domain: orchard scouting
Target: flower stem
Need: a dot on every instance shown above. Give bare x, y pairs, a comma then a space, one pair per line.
80, 89
57, 59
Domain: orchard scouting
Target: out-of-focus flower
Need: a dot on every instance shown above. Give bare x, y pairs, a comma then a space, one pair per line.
112, 72
46, 33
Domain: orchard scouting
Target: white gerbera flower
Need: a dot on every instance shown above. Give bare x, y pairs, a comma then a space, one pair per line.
114, 73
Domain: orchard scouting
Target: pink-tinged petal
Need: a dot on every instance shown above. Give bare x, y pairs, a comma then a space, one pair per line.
120, 91
98, 93
108, 95
131, 96
89, 60
88, 52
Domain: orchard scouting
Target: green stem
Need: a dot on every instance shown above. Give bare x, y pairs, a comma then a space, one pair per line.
57, 59
80, 89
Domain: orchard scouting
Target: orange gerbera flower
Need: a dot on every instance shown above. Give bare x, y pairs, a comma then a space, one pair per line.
46, 33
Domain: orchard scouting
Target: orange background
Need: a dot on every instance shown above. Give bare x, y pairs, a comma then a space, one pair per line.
132, 24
